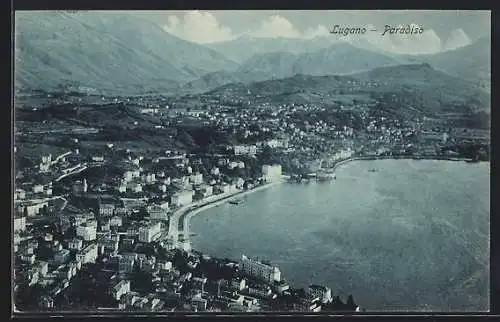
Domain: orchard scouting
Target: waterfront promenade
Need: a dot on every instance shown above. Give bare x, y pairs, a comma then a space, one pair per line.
397, 157
179, 221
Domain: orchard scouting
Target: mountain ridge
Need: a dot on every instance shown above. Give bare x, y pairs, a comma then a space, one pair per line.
471, 62
339, 58
420, 84
105, 50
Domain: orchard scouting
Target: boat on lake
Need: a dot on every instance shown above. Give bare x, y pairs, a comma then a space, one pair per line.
236, 201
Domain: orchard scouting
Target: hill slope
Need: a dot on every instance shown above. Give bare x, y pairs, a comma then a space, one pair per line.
243, 48
111, 51
418, 85
472, 62
341, 58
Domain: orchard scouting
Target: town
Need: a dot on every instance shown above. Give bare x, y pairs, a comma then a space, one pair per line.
102, 222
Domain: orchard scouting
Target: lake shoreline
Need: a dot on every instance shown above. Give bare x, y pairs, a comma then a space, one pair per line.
187, 216
245, 236
396, 157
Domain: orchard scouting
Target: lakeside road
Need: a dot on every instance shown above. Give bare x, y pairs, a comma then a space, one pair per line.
186, 212
399, 157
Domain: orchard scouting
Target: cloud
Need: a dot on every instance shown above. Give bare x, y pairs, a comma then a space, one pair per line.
426, 43
319, 31
276, 26
457, 38
203, 27
197, 26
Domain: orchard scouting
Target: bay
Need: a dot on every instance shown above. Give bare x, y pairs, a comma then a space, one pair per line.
413, 235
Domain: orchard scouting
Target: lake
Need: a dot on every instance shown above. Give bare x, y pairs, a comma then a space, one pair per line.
413, 235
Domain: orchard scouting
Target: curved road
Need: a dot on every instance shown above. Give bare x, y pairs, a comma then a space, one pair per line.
186, 212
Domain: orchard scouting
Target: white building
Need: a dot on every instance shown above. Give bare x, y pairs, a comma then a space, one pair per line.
158, 213
106, 209
167, 265
225, 188
48, 192
81, 219
239, 183
245, 149
88, 254
150, 233
271, 172
47, 158
92, 223
149, 178
80, 186
126, 264
43, 268
38, 188
196, 178
134, 187
122, 188
238, 284
274, 143
128, 175
44, 167
19, 224
116, 221
87, 232
444, 138
20, 194
34, 209
97, 158
231, 165
260, 270
110, 243
122, 288
323, 292
28, 258
206, 190
75, 244
182, 198
104, 225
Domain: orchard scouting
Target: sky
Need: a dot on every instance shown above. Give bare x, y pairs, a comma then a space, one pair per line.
443, 30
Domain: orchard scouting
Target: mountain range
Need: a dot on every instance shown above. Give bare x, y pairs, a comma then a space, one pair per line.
340, 58
105, 50
471, 62
119, 52
413, 83
243, 48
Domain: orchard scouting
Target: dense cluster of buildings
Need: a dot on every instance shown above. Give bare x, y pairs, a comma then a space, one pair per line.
90, 222
72, 225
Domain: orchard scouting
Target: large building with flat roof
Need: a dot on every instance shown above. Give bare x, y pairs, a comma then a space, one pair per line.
257, 269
